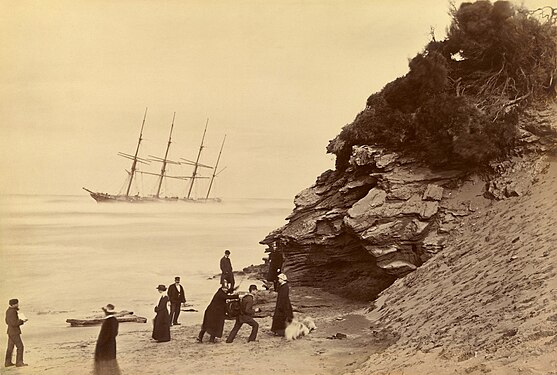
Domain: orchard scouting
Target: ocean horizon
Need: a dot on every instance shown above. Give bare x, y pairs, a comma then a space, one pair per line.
65, 256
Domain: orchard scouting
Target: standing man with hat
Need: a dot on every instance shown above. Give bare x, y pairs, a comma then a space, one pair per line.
226, 268
177, 296
14, 335
161, 323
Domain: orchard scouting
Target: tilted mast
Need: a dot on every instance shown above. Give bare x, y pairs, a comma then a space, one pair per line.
196, 165
134, 163
215, 170
164, 161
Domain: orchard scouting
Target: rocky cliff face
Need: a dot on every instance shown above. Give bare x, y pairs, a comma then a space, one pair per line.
355, 232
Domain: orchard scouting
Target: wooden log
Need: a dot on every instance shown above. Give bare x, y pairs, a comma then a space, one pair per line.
122, 317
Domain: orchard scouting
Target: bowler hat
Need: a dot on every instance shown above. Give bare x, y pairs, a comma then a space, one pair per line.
161, 287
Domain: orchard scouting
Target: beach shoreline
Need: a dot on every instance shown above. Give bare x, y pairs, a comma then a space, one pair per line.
318, 353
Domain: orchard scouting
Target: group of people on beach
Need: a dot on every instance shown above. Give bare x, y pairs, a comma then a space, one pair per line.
213, 318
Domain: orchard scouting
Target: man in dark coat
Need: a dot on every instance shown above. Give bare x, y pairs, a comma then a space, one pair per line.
177, 296
14, 334
246, 316
226, 268
161, 324
213, 319
275, 265
283, 310
105, 351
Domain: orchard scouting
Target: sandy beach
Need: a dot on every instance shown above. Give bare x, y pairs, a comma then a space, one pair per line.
317, 353
483, 305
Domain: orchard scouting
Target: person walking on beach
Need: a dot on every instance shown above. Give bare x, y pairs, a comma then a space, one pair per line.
177, 296
105, 350
14, 334
161, 324
213, 319
283, 310
246, 316
226, 268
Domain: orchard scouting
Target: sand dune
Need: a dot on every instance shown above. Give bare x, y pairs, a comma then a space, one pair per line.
487, 303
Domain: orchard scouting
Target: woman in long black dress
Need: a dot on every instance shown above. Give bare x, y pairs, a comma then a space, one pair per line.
105, 350
283, 310
161, 324
213, 319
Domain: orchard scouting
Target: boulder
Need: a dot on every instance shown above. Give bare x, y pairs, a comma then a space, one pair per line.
433, 193
397, 267
364, 155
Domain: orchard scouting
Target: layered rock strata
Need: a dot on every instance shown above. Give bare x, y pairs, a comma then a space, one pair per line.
354, 232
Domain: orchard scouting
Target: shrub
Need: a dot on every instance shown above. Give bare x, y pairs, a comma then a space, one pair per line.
462, 97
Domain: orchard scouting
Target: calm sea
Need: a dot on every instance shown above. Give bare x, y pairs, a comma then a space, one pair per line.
66, 256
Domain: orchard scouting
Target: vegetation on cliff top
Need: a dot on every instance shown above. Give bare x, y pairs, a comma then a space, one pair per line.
462, 98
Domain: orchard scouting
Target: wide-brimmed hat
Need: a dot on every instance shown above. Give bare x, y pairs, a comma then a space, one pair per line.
161, 287
109, 308
282, 276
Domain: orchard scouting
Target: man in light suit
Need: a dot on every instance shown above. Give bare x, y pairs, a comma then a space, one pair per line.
177, 296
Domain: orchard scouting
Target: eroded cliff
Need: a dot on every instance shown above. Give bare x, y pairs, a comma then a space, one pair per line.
355, 232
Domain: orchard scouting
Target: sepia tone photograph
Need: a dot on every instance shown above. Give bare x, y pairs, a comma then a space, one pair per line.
315, 187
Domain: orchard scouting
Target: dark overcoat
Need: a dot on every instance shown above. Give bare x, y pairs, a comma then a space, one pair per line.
213, 319
176, 295
13, 321
225, 265
275, 265
161, 324
106, 343
283, 309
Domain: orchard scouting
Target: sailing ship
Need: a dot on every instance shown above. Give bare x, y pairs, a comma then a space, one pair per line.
128, 196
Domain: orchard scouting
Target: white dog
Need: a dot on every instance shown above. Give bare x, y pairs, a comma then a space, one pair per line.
297, 328
308, 322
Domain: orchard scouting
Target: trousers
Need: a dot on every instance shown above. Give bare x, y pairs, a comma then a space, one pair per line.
14, 340
174, 312
239, 322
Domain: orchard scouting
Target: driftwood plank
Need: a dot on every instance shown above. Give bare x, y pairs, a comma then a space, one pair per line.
122, 317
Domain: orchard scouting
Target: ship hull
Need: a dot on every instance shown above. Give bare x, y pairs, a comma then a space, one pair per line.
112, 198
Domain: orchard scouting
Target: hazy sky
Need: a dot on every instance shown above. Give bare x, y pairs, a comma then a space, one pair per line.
280, 78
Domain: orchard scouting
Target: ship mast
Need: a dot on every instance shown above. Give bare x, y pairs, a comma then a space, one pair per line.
215, 169
196, 165
164, 161
134, 163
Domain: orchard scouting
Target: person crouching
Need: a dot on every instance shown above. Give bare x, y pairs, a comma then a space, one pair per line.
246, 316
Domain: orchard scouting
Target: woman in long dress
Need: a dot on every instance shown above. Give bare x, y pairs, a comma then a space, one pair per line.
283, 310
215, 314
161, 323
105, 350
